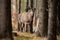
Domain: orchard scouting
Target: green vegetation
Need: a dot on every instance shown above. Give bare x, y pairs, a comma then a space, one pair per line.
23, 5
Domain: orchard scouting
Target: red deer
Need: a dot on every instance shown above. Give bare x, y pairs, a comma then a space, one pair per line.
25, 18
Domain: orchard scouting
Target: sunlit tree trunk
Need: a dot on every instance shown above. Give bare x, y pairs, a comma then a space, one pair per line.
14, 15
52, 25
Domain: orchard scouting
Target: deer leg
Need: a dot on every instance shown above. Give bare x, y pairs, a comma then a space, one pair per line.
28, 28
18, 27
25, 26
24, 29
21, 27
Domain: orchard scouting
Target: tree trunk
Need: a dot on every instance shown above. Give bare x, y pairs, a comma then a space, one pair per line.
31, 3
42, 15
14, 15
5, 19
28, 4
34, 18
58, 17
19, 6
34, 3
8, 19
52, 25
2, 18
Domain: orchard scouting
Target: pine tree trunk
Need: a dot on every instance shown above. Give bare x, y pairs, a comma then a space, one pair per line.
2, 17
31, 3
14, 15
52, 25
58, 17
8, 20
41, 8
19, 6
5, 19
34, 3
34, 18
28, 4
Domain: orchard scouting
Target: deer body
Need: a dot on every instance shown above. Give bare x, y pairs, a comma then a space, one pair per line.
25, 18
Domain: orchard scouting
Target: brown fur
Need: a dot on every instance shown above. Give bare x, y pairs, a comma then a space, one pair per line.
25, 18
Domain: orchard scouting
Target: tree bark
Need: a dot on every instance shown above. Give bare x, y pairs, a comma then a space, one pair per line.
5, 19
42, 15
31, 3
2, 18
34, 18
8, 20
14, 15
52, 25
19, 6
58, 17
28, 4
34, 3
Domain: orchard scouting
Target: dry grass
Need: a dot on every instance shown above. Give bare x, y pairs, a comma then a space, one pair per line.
58, 37
28, 36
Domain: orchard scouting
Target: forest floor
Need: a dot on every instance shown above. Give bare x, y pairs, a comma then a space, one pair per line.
29, 36
58, 37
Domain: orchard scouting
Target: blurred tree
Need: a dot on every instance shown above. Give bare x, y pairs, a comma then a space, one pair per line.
52, 25
58, 17
8, 20
2, 18
14, 14
19, 11
28, 4
5, 19
31, 4
19, 6
42, 15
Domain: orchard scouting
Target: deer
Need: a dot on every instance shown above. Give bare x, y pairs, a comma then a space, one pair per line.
25, 19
